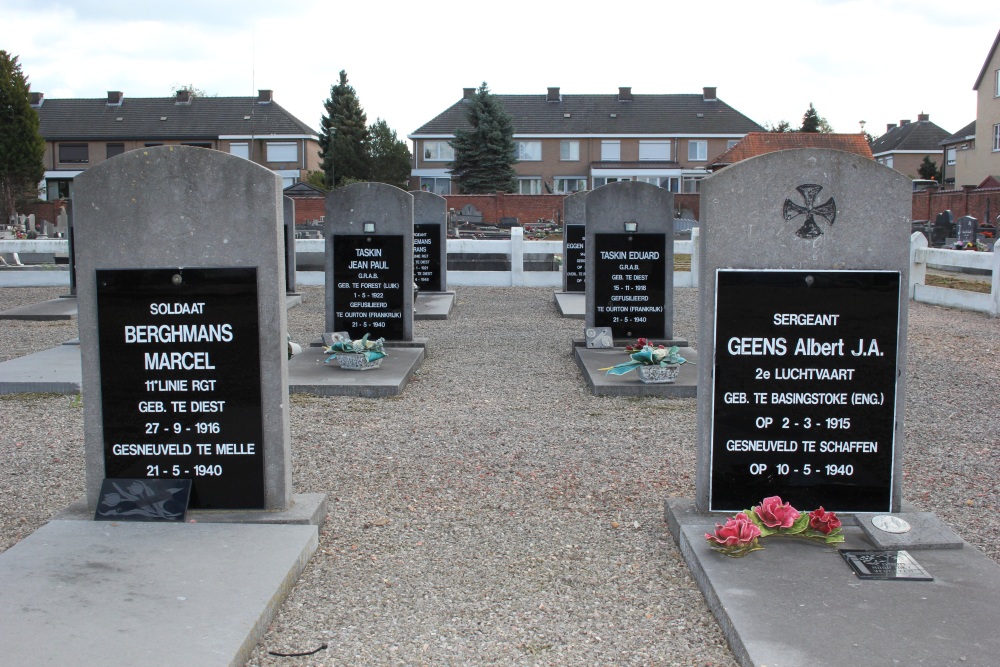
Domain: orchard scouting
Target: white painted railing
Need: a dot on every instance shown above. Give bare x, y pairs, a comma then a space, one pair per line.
921, 256
515, 248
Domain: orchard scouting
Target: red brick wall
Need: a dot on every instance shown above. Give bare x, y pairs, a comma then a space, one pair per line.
967, 201
309, 209
530, 208
43, 210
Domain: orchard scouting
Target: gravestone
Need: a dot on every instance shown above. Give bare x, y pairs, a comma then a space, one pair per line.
430, 248
967, 229
182, 325
369, 261
944, 226
804, 259
630, 260
574, 242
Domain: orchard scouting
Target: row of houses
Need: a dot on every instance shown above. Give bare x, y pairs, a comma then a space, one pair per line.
565, 143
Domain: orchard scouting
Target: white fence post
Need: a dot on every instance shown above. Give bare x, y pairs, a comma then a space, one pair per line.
517, 256
995, 285
918, 264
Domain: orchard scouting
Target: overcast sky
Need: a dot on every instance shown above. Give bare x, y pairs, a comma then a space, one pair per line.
873, 60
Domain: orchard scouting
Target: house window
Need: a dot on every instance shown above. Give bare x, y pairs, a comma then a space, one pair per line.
598, 181
692, 183
996, 89
151, 144
240, 150
567, 184
438, 151
654, 150
611, 150
529, 186
697, 150
197, 144
951, 156
888, 161
569, 151
439, 186
529, 151
74, 153
996, 137
282, 151
114, 149
732, 142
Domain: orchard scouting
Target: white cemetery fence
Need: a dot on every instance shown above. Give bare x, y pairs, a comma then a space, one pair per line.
921, 257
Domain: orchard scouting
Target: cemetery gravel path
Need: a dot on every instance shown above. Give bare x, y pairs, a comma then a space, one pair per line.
497, 512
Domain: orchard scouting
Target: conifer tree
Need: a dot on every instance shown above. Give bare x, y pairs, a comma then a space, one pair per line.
484, 155
810, 120
343, 136
389, 157
22, 148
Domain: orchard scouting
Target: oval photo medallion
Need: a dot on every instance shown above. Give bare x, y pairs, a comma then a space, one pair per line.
890, 524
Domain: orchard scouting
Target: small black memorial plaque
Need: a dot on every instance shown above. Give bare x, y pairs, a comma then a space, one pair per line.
427, 257
804, 389
143, 500
368, 285
892, 565
629, 284
180, 380
576, 257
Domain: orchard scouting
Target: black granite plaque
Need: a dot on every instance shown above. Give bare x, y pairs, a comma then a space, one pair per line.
368, 285
145, 499
629, 284
886, 565
427, 257
805, 389
575, 260
180, 380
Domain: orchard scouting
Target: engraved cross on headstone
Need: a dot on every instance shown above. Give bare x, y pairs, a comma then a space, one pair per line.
826, 210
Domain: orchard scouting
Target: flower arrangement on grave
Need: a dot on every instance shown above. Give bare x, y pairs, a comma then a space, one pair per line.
741, 533
644, 354
372, 350
978, 246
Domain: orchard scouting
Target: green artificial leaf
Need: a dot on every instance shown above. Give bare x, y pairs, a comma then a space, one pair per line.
800, 524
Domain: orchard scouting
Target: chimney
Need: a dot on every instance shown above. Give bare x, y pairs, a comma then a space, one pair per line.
923, 116
890, 126
624, 94
183, 97
467, 93
265, 96
709, 93
553, 95
904, 122
37, 99
115, 98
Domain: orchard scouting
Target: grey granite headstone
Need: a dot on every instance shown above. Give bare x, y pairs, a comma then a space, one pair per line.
369, 261
574, 273
630, 260
967, 229
806, 239
430, 239
149, 225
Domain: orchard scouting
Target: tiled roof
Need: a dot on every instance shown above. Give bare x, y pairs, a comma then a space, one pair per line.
967, 132
986, 65
920, 136
162, 118
759, 143
581, 115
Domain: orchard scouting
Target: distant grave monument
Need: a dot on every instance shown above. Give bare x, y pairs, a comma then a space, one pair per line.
574, 243
430, 237
630, 260
369, 261
182, 325
804, 260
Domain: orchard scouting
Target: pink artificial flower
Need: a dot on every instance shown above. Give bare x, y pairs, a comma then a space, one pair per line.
823, 521
775, 514
739, 531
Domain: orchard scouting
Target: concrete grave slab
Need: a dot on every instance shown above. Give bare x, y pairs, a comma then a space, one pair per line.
56, 371
309, 375
591, 360
44, 311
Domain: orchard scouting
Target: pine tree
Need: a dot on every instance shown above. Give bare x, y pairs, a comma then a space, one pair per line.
484, 156
344, 136
22, 148
928, 170
810, 120
389, 157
